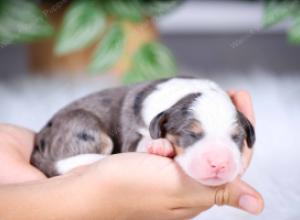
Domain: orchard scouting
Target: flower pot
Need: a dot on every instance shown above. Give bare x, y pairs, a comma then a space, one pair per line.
42, 59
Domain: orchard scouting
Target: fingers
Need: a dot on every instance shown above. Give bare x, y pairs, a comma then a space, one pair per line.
243, 102
20, 173
16, 145
17, 138
237, 194
240, 195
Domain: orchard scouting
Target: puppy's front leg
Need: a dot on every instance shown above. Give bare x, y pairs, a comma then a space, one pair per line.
161, 147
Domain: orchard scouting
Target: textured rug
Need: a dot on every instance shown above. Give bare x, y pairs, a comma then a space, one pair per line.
275, 169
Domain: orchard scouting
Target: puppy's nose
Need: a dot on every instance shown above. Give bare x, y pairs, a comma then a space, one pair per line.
216, 163
217, 160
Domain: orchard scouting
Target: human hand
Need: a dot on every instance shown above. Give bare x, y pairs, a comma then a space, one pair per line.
142, 186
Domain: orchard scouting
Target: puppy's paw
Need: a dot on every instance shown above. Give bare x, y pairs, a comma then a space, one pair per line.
161, 147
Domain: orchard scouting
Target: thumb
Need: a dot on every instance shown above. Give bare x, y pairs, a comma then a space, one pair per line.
240, 195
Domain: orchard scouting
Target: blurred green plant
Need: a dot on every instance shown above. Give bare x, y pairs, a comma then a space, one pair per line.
277, 11
150, 59
23, 25
109, 49
84, 23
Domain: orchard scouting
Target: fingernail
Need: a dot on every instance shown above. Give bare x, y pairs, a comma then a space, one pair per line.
249, 204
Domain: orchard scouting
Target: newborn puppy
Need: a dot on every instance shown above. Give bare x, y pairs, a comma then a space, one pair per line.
190, 119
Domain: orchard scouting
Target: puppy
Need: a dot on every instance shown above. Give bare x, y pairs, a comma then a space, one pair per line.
190, 119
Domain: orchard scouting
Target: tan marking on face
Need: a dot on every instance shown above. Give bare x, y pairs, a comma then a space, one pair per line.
178, 150
174, 140
237, 129
246, 152
246, 157
195, 127
106, 146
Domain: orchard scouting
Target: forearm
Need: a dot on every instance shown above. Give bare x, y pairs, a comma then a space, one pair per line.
56, 198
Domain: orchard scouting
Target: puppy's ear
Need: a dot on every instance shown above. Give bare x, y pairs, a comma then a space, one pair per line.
248, 128
157, 125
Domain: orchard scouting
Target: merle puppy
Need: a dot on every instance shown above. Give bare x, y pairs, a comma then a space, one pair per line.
190, 119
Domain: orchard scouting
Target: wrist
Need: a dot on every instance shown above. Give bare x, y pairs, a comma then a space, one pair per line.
96, 198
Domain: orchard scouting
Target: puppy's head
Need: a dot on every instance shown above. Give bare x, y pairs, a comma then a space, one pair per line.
210, 135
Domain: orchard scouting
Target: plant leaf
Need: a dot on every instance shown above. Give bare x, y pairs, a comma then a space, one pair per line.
109, 49
2, 2
22, 21
294, 31
83, 23
152, 61
276, 11
160, 7
127, 10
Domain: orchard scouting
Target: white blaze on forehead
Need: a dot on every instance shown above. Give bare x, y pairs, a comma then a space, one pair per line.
215, 111
171, 91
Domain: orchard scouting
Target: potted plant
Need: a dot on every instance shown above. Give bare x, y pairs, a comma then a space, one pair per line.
277, 11
90, 36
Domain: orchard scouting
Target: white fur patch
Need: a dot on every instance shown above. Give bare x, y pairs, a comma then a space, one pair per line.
216, 112
169, 92
66, 165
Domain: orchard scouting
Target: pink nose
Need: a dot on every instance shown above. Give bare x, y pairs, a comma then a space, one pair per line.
213, 162
217, 162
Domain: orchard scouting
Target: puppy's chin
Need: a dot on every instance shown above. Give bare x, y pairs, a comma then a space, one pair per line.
214, 181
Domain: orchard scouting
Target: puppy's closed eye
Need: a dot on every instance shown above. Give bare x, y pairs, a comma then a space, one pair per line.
195, 135
238, 139
194, 131
187, 138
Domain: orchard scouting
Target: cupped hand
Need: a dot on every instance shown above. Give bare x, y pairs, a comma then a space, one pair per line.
140, 186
